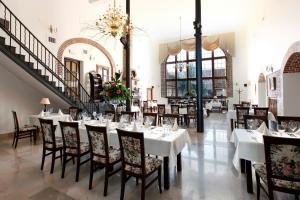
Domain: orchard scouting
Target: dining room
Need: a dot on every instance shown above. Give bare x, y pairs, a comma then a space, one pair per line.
129, 99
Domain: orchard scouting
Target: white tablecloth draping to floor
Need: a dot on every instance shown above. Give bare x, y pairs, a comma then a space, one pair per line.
157, 141
34, 119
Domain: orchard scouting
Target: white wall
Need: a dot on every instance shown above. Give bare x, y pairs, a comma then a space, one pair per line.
291, 99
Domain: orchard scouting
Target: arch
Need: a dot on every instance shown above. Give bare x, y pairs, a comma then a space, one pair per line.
291, 61
93, 43
261, 78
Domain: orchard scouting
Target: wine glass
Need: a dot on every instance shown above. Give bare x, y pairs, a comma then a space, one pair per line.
94, 115
293, 126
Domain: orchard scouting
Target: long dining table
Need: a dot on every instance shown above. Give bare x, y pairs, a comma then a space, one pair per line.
158, 141
249, 146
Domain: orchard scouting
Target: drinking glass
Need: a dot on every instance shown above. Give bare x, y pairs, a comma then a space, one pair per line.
281, 128
94, 115
293, 126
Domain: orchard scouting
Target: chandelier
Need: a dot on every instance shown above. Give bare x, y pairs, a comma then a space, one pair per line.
180, 64
114, 23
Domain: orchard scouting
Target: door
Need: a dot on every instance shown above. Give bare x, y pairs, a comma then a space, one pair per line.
72, 76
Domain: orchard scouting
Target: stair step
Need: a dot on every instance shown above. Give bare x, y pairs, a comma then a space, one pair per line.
59, 88
38, 71
45, 77
2, 40
22, 57
52, 83
11, 48
30, 64
4, 23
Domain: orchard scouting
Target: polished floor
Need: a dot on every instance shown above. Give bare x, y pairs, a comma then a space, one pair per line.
207, 173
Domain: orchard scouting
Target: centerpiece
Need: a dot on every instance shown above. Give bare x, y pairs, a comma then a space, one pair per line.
114, 92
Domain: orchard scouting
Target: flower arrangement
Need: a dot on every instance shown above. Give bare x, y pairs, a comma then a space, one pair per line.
115, 90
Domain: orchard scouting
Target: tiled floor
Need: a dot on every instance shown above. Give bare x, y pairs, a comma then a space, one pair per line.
207, 173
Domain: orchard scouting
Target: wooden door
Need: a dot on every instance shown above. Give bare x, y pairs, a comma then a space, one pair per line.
72, 76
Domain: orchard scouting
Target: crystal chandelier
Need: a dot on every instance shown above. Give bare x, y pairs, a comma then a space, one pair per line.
180, 64
114, 22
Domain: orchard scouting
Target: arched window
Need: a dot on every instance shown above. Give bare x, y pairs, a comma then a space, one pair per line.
181, 73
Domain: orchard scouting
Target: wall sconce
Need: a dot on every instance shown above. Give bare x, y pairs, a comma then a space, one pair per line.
52, 29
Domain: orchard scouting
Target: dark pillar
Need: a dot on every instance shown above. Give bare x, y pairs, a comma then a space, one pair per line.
198, 35
127, 56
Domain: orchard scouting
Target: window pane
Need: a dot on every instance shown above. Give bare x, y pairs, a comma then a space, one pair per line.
220, 67
181, 88
192, 70
170, 71
181, 70
171, 90
192, 87
218, 52
206, 54
182, 55
206, 68
171, 58
221, 92
207, 88
192, 55
220, 83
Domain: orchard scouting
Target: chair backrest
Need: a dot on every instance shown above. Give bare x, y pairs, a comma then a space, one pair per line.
191, 109
254, 105
286, 120
240, 112
131, 115
16, 122
132, 151
261, 111
145, 106
150, 115
236, 105
174, 109
112, 114
74, 111
254, 121
70, 135
48, 131
282, 163
161, 108
245, 104
98, 142
170, 118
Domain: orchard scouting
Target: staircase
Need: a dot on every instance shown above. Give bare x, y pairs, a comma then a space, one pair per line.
25, 49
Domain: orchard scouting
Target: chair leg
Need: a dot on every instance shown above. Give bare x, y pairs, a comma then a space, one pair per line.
143, 189
77, 169
14, 139
106, 181
159, 179
34, 136
91, 175
61, 156
64, 165
136, 180
123, 185
296, 196
257, 185
43, 158
53, 162
73, 160
16, 142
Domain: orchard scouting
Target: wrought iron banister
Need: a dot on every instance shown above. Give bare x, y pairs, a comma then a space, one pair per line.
43, 59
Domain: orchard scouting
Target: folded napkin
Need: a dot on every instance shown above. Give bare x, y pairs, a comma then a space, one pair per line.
175, 126
60, 113
297, 132
42, 114
264, 129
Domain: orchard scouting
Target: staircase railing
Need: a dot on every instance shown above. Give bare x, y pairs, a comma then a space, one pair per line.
43, 60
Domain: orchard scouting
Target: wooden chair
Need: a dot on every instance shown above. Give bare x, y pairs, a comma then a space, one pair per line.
236, 105
50, 142
261, 111
101, 154
72, 146
245, 104
135, 163
253, 122
175, 110
161, 110
146, 107
152, 115
112, 114
131, 115
281, 171
288, 119
240, 112
74, 112
254, 105
191, 114
171, 118
26, 131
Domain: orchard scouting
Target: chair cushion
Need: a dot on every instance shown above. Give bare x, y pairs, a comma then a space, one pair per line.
114, 155
28, 128
84, 147
151, 165
260, 169
59, 143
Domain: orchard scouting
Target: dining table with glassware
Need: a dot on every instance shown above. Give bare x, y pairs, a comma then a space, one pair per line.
165, 141
249, 146
56, 117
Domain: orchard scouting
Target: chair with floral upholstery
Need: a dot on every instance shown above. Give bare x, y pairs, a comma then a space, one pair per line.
281, 171
261, 111
50, 142
101, 154
191, 114
112, 115
287, 122
240, 112
253, 122
152, 116
245, 104
26, 131
175, 110
135, 163
72, 146
129, 115
74, 112
170, 118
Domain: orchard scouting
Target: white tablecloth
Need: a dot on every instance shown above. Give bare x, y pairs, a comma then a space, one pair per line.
34, 119
156, 141
213, 104
231, 114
